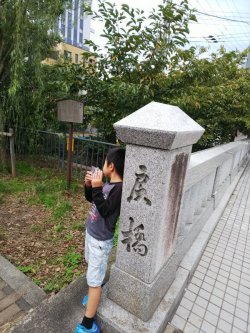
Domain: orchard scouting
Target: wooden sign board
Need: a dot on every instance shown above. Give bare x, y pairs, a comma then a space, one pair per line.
70, 111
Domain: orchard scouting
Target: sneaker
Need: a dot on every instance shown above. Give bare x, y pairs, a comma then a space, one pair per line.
85, 300
94, 329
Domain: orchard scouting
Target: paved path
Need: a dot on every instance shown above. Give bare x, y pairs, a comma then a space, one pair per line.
12, 305
217, 298
18, 294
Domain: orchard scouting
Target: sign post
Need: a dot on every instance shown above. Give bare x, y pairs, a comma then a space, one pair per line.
10, 134
69, 165
71, 111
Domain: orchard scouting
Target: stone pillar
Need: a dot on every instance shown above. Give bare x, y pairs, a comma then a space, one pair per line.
159, 140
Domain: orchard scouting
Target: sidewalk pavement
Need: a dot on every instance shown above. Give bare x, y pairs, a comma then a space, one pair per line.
217, 299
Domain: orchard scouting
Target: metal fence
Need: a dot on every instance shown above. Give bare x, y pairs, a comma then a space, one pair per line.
49, 149
87, 153
43, 147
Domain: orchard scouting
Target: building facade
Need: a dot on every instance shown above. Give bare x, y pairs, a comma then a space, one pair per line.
73, 25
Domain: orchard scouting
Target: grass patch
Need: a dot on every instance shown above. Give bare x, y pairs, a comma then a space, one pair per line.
49, 200
11, 186
56, 228
80, 226
59, 185
52, 286
33, 200
50, 193
69, 237
4, 187
25, 169
37, 281
74, 187
59, 227
62, 209
40, 187
2, 168
71, 262
25, 269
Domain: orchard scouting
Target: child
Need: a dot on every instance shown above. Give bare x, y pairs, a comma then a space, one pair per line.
100, 228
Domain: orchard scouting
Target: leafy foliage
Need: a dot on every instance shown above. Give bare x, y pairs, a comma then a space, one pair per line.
149, 62
215, 92
138, 49
146, 58
25, 40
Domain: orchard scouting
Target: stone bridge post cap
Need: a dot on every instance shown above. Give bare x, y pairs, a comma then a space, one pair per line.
159, 125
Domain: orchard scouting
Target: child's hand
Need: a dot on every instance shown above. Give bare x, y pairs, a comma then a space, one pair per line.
97, 179
88, 179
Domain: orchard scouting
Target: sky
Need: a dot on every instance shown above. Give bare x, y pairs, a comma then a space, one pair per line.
230, 28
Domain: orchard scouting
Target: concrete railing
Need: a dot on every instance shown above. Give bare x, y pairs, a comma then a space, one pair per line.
209, 174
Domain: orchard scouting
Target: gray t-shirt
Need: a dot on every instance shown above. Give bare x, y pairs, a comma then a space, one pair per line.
105, 210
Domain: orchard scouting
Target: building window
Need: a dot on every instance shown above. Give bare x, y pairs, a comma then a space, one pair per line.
80, 37
76, 58
69, 35
81, 24
67, 55
63, 30
54, 55
68, 40
69, 25
76, 6
75, 37
70, 19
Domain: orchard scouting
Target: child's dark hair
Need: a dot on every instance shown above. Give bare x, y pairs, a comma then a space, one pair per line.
117, 156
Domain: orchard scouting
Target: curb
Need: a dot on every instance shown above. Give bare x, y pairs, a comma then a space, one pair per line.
59, 313
20, 283
63, 310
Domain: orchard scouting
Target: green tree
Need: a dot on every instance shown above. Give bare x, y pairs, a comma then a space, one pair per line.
26, 38
144, 60
138, 50
214, 91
